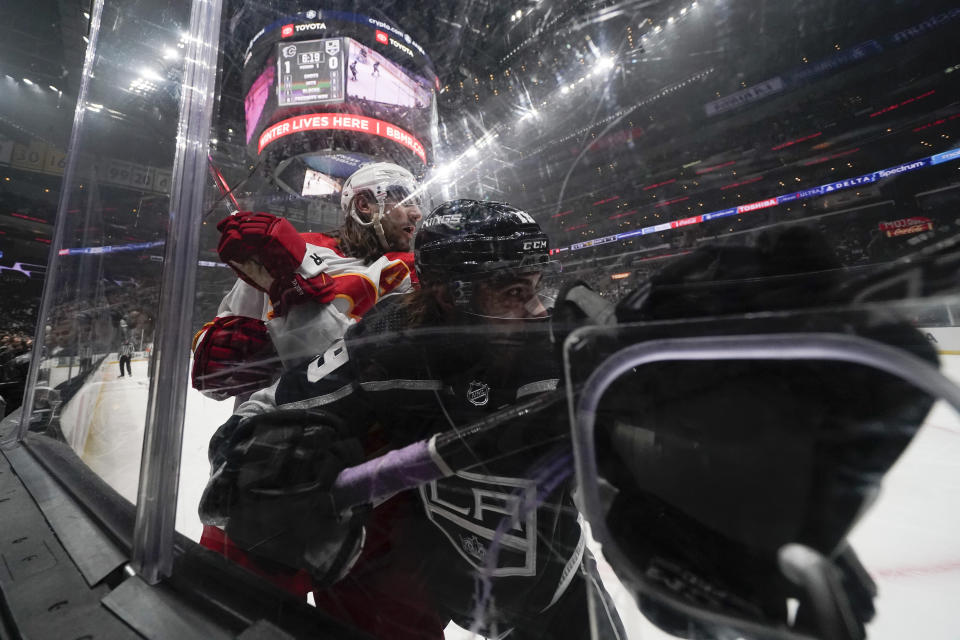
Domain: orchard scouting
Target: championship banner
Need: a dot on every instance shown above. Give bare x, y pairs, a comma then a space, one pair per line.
6, 150
29, 157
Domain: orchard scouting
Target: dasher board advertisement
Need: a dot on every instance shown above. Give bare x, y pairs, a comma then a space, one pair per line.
310, 72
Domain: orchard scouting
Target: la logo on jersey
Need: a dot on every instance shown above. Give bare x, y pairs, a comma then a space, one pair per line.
478, 393
483, 514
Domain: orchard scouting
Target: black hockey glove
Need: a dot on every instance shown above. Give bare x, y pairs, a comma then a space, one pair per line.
720, 466
269, 489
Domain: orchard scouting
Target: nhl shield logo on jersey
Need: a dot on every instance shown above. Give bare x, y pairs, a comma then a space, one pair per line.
478, 393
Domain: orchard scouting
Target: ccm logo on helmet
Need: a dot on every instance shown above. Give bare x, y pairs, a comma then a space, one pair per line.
534, 244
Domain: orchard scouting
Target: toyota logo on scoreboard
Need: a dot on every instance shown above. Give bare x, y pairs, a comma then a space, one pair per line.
286, 31
382, 37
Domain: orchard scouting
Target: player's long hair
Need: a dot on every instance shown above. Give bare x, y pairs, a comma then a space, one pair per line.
429, 305
357, 241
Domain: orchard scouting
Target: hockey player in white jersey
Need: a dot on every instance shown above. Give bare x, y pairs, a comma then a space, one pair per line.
297, 293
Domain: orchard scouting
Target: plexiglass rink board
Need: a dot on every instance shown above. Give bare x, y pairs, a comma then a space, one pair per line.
687, 160
101, 299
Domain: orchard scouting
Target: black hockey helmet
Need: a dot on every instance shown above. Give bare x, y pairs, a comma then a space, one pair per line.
473, 239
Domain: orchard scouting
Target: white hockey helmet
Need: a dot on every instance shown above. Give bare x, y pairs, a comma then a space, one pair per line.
379, 179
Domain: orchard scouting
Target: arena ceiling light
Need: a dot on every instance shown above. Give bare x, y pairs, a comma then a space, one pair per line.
604, 63
151, 75
444, 171
531, 113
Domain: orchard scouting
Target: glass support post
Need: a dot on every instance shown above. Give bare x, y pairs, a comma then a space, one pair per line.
160, 468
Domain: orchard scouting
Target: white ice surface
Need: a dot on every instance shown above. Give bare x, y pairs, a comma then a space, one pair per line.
909, 541
104, 424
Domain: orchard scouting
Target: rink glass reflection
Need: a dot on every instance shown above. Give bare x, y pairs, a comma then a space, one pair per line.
707, 168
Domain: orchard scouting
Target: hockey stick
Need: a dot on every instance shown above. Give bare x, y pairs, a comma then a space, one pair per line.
439, 456
225, 191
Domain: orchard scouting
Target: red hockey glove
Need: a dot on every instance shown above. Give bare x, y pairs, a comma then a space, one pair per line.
273, 241
235, 356
294, 289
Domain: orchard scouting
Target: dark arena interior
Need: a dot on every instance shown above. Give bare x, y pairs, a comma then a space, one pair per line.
522, 319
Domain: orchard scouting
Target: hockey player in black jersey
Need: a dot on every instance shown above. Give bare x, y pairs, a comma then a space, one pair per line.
494, 546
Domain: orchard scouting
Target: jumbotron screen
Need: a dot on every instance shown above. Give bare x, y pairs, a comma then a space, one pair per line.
310, 72
325, 92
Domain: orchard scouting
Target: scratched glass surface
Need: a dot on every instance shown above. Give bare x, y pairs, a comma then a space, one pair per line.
706, 169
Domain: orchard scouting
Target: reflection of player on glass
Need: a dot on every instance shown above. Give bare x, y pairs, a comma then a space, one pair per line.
376, 69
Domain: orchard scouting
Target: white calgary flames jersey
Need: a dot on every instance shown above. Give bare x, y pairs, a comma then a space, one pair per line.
308, 329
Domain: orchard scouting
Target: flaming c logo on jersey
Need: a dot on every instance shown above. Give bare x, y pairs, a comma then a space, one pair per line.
286, 31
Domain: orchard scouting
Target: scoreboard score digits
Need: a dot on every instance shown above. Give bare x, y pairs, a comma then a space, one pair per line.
312, 57
310, 72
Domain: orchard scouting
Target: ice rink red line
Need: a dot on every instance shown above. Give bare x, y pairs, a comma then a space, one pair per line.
955, 432
918, 572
